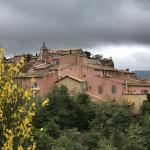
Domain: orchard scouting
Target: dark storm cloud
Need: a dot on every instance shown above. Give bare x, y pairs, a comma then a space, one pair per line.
24, 24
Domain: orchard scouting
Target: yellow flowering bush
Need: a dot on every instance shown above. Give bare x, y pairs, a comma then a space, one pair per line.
45, 102
16, 110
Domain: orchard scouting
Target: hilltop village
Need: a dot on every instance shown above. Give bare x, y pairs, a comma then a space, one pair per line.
74, 68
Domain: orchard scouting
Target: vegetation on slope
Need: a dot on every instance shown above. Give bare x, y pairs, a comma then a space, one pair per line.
76, 123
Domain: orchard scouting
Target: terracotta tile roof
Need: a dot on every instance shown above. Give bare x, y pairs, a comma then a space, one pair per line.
53, 68
72, 77
34, 75
42, 66
73, 49
77, 78
65, 49
127, 72
138, 82
100, 67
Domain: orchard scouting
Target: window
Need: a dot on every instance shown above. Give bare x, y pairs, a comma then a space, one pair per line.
84, 87
108, 73
57, 62
114, 89
90, 88
134, 91
144, 92
84, 76
35, 86
100, 89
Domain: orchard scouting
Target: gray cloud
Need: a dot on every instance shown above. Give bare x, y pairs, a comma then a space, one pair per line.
73, 23
136, 61
142, 59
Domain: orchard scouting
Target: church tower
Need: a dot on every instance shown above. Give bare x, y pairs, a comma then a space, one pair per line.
44, 53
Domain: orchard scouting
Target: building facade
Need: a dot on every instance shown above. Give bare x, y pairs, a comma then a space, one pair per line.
73, 68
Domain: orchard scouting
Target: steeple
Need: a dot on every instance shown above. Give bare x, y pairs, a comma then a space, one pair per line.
43, 46
44, 52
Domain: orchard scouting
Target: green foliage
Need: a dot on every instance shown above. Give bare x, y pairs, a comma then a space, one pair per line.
145, 123
75, 123
105, 144
98, 56
134, 139
110, 116
148, 97
145, 108
83, 112
88, 54
69, 140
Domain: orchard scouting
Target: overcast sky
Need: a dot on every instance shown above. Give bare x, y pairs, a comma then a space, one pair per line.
117, 28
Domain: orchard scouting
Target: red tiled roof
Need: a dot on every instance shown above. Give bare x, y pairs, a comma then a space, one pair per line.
138, 82
72, 77
42, 66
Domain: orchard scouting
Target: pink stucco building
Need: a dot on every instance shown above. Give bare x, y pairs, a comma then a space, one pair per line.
103, 82
42, 84
102, 78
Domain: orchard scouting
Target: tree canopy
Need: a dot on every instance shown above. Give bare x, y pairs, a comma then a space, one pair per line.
76, 123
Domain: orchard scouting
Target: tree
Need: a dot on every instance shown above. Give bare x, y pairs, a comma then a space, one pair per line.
145, 126
53, 118
88, 54
145, 108
98, 56
62, 114
112, 121
83, 111
105, 144
135, 139
16, 110
73, 122
111, 116
69, 140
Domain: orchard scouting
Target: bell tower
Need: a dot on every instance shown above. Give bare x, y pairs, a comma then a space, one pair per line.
44, 53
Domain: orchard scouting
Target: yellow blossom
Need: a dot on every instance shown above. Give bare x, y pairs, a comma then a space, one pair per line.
15, 105
27, 95
45, 102
33, 105
41, 129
